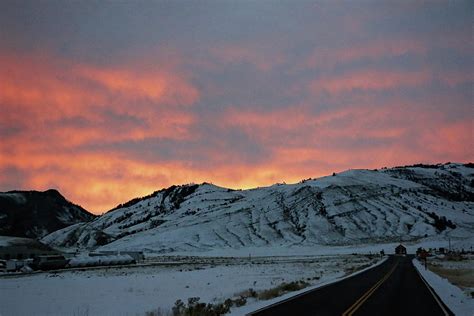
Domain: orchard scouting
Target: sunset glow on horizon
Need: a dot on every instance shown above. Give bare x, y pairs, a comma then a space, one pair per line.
109, 101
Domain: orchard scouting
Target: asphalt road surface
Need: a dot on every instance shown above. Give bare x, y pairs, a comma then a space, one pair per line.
392, 288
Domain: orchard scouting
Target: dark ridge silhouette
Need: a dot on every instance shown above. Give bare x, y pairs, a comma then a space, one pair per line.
34, 214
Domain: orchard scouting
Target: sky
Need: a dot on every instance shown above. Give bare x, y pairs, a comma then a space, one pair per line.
110, 100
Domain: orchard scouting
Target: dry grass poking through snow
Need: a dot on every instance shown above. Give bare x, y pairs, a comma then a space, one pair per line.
281, 289
459, 272
195, 308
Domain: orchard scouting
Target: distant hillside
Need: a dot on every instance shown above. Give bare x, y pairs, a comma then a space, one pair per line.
355, 206
35, 214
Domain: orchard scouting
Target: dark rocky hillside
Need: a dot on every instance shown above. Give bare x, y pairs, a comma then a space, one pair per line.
35, 214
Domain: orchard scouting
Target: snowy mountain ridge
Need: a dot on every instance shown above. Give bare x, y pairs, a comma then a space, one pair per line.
352, 207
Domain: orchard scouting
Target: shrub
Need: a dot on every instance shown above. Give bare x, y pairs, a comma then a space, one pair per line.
440, 223
241, 301
281, 289
158, 312
195, 308
269, 294
248, 293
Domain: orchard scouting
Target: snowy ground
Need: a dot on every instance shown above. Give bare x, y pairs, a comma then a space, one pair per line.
455, 298
137, 290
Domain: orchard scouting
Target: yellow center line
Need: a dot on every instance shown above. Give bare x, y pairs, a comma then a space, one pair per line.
351, 310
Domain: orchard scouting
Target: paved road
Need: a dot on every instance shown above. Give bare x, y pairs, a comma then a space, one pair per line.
392, 288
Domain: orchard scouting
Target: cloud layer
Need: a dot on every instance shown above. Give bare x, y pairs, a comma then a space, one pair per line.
109, 103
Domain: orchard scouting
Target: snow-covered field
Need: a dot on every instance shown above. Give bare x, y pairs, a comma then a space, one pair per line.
137, 290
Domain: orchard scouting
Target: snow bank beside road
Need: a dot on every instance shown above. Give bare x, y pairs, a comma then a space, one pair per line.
451, 295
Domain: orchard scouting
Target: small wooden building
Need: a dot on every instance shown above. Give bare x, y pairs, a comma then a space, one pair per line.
400, 250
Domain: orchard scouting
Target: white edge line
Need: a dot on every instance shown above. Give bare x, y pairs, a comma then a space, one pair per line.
317, 287
431, 291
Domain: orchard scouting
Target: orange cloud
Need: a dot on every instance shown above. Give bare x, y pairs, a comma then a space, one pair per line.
157, 86
64, 123
358, 121
365, 135
40, 91
35, 88
52, 106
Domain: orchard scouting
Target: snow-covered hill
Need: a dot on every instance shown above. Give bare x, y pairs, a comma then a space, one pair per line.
351, 207
35, 214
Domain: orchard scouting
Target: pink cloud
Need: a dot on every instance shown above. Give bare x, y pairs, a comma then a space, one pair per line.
369, 80
329, 57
